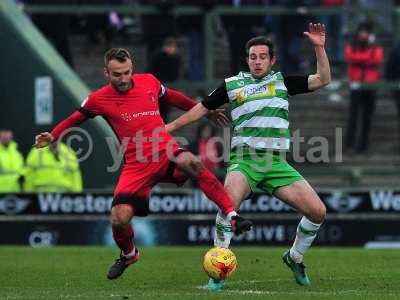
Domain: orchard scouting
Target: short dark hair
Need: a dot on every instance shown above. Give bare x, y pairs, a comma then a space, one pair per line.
119, 54
260, 40
170, 41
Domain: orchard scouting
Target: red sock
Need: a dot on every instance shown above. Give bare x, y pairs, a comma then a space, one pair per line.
215, 191
124, 238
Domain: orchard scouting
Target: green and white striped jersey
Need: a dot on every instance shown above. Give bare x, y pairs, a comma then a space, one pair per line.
259, 108
259, 111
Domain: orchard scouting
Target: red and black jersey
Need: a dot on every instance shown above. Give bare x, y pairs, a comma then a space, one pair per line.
134, 116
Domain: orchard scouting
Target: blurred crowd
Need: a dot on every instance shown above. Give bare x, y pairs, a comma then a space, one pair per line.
157, 29
104, 29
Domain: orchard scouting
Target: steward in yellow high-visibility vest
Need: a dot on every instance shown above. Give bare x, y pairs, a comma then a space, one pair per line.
11, 163
53, 169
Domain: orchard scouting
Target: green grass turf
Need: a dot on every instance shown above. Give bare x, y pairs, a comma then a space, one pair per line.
176, 273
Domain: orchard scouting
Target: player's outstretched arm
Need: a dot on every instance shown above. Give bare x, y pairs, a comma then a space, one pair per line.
191, 116
178, 99
45, 138
316, 35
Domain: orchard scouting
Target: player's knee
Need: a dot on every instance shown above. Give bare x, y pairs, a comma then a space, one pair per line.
197, 166
191, 165
119, 222
318, 213
119, 218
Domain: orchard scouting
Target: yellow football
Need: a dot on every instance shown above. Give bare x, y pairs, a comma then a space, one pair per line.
219, 263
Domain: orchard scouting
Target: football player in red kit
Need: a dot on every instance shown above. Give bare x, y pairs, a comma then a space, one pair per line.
130, 105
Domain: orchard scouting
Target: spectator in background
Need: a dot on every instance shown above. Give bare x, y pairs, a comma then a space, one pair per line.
53, 169
363, 57
157, 27
166, 63
166, 66
206, 148
11, 163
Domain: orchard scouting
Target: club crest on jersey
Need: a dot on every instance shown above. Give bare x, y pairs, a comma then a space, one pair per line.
152, 96
240, 96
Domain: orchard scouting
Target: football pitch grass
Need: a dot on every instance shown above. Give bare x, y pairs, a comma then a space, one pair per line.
176, 273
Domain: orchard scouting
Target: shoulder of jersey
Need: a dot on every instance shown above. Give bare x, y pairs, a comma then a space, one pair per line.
104, 90
141, 76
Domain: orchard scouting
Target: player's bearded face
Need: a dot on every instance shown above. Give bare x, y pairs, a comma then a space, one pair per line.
259, 61
119, 74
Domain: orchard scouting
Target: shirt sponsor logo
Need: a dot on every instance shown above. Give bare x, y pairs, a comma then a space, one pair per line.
127, 116
266, 90
261, 89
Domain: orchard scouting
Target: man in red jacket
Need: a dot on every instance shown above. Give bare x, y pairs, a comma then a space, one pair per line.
130, 105
364, 58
